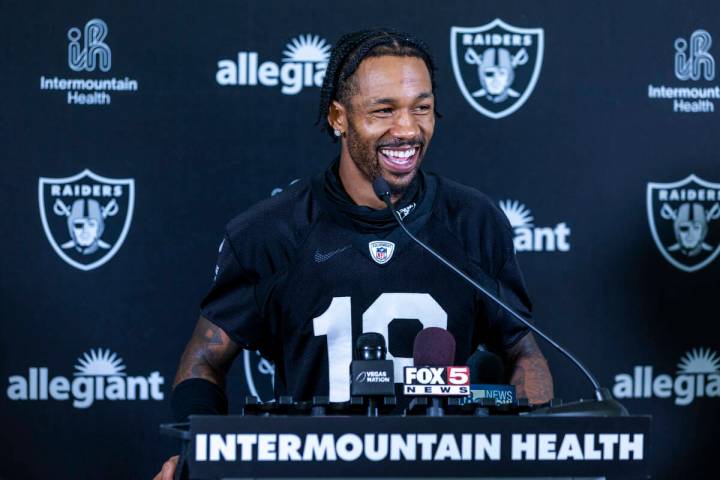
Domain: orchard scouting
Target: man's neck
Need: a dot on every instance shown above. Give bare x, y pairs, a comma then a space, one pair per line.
358, 186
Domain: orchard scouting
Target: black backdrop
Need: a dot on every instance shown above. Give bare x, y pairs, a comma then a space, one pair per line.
581, 150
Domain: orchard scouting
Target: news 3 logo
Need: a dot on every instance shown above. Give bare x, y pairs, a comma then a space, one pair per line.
448, 381
303, 65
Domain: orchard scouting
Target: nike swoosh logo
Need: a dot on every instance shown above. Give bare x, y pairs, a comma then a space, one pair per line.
324, 257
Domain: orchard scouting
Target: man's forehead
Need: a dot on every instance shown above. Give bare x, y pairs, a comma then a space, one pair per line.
391, 77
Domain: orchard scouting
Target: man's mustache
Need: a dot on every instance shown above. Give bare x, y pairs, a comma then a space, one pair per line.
418, 141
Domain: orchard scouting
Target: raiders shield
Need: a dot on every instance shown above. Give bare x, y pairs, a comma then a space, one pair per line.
496, 65
259, 375
684, 221
86, 217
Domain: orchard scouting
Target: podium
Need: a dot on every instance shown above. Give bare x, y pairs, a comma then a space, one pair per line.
452, 446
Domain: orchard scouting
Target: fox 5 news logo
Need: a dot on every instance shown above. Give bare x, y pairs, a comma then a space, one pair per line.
448, 381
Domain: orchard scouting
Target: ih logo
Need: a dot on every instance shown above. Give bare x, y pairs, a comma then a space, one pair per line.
381, 251
694, 61
682, 217
86, 217
94, 52
496, 65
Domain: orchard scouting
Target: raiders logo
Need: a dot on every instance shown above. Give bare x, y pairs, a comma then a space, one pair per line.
683, 219
496, 65
86, 217
259, 375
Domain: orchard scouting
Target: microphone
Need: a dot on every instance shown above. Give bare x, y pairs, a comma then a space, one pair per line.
486, 367
370, 374
370, 346
433, 352
487, 379
604, 403
434, 347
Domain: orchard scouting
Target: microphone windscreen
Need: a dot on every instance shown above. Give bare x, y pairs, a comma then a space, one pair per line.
381, 188
486, 367
434, 347
370, 346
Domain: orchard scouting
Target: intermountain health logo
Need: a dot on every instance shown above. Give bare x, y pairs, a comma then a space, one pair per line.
99, 375
88, 51
684, 221
86, 217
694, 65
303, 65
698, 375
528, 237
496, 65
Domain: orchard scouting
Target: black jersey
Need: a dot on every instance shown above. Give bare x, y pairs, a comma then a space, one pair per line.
299, 278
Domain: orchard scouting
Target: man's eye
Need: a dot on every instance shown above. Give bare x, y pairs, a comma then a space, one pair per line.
384, 111
423, 108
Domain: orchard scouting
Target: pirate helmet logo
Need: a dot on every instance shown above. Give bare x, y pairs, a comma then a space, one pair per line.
682, 221
259, 375
496, 65
83, 215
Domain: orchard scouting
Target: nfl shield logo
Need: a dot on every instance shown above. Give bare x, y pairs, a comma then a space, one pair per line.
381, 251
86, 217
683, 219
496, 65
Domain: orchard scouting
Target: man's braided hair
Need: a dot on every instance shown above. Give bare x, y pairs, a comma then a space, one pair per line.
351, 50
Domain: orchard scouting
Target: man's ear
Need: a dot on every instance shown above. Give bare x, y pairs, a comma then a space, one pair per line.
337, 116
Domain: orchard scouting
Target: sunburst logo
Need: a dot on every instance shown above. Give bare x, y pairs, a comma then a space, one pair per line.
307, 48
528, 237
699, 360
517, 213
100, 363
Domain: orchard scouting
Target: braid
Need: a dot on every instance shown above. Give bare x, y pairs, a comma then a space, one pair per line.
351, 49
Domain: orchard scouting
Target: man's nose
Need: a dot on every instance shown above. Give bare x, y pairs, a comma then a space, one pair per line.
405, 125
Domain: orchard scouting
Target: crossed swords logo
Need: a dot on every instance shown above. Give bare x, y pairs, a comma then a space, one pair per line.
473, 58
682, 225
109, 210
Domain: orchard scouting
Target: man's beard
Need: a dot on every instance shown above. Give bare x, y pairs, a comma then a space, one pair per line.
367, 161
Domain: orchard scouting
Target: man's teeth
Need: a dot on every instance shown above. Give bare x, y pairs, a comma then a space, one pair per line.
399, 153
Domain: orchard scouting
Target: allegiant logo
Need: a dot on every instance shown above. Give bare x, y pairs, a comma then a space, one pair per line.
698, 376
99, 375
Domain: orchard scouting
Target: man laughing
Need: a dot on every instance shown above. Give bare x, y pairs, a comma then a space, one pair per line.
297, 275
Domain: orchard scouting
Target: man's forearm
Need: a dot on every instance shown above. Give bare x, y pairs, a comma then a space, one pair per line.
208, 354
530, 375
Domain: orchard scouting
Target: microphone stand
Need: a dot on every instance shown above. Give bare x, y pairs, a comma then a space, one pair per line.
603, 405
